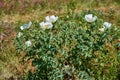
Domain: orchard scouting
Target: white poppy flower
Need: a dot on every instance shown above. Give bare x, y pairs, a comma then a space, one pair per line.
90, 18
19, 34
26, 26
107, 25
102, 29
46, 25
28, 43
51, 19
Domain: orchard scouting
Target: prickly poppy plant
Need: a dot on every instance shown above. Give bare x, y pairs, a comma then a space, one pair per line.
69, 47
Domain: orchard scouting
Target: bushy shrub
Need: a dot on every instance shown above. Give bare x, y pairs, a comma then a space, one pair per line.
76, 46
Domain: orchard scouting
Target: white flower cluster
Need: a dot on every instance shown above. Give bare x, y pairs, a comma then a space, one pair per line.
105, 25
90, 18
48, 22
44, 25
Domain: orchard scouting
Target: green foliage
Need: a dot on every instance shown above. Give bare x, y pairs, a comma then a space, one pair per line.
72, 49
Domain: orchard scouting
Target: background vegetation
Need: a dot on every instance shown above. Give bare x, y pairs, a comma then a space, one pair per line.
14, 13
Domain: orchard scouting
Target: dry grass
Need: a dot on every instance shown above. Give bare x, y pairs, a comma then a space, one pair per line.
8, 54
37, 14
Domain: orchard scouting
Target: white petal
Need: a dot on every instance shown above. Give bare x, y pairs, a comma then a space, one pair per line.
46, 25
42, 24
47, 18
29, 24
21, 27
26, 25
49, 25
90, 18
52, 16
51, 19
102, 29
107, 25
94, 18
28, 43
19, 34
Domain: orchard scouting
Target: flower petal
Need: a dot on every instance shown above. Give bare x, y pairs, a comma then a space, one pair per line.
102, 29
51, 19
28, 43
90, 18
49, 25
47, 18
19, 34
107, 25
